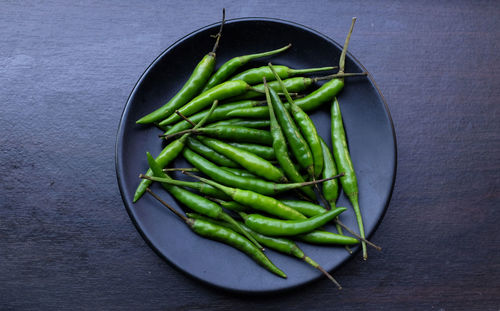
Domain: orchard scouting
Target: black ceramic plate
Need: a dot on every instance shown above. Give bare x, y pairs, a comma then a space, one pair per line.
368, 125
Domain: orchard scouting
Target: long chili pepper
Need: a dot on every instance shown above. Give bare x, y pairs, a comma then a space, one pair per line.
229, 67
343, 160
297, 84
226, 236
224, 177
331, 187
278, 227
281, 150
306, 126
255, 200
169, 153
195, 202
265, 152
230, 205
327, 238
231, 132
255, 75
193, 85
218, 114
209, 153
281, 245
243, 122
202, 188
299, 147
253, 163
222, 91
233, 170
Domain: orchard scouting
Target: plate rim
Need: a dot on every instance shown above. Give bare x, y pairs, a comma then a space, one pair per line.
126, 108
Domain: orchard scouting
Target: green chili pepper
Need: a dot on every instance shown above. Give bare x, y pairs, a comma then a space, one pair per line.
297, 143
307, 208
255, 75
229, 67
281, 150
331, 187
168, 154
238, 172
194, 84
195, 202
327, 238
231, 205
220, 92
248, 160
344, 163
243, 122
209, 153
227, 236
281, 245
297, 84
199, 186
231, 132
277, 227
306, 127
218, 114
265, 152
226, 178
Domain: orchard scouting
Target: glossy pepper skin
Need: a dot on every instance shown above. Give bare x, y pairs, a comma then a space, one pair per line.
265, 152
226, 178
197, 146
343, 160
218, 114
331, 187
293, 85
195, 202
255, 75
306, 126
169, 153
277, 227
234, 133
253, 163
219, 92
230, 67
193, 85
297, 143
307, 103
243, 122
281, 151
228, 236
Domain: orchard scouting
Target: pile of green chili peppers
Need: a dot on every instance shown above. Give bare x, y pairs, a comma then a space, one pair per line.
258, 143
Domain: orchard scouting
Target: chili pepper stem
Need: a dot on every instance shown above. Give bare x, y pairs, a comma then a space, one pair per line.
219, 34
166, 205
329, 276
185, 118
186, 169
340, 75
223, 188
346, 44
357, 235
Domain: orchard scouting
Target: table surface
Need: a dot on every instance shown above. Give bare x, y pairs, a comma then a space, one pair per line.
66, 70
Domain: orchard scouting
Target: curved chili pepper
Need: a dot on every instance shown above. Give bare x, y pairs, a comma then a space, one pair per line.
277, 227
231, 132
297, 84
343, 160
238, 172
227, 236
297, 143
331, 187
229, 67
168, 154
306, 126
218, 114
193, 85
195, 202
265, 152
209, 153
253, 163
281, 150
255, 75
226, 178
327, 238
222, 91
281, 245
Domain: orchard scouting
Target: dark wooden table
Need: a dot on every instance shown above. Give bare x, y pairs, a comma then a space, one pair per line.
66, 241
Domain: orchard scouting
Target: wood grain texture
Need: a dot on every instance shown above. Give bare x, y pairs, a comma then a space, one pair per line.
66, 70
